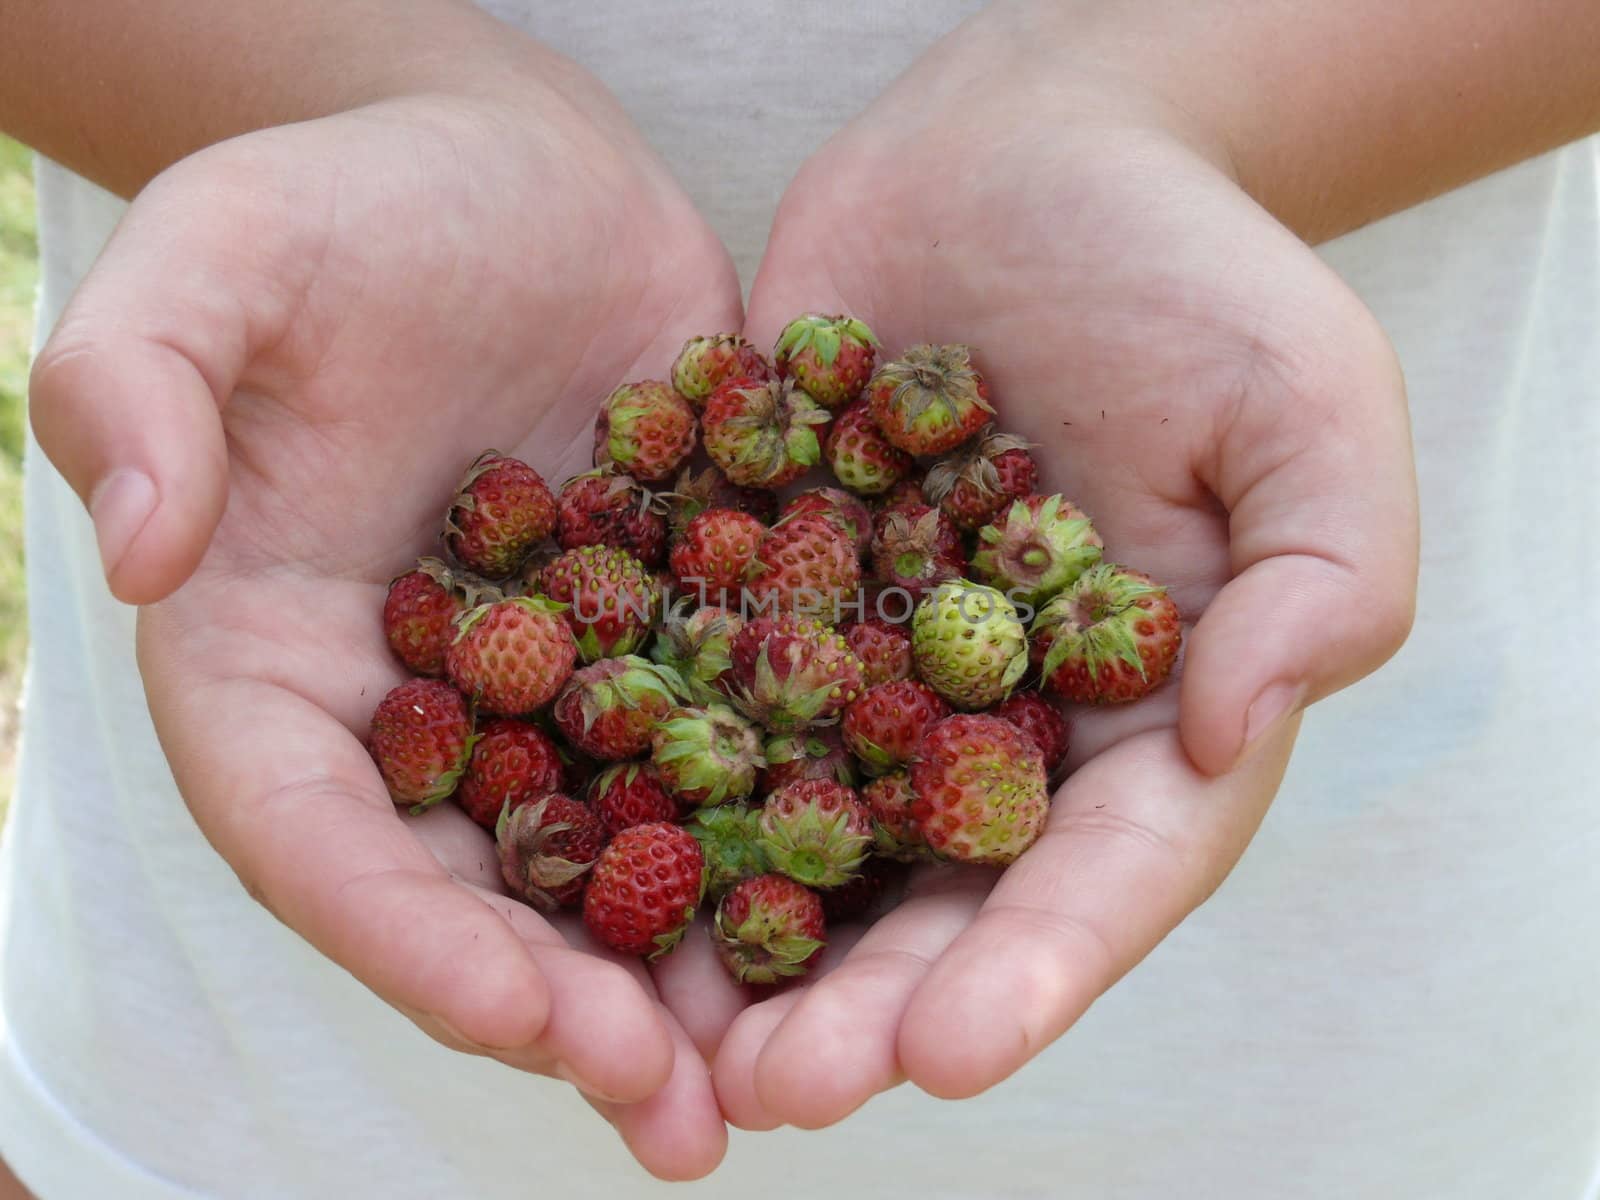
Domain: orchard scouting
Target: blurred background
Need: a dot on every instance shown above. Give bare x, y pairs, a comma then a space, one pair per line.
18, 276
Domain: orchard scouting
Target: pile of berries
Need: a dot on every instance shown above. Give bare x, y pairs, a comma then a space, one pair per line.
664, 687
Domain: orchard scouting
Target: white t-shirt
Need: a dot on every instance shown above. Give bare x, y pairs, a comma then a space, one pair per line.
1396, 995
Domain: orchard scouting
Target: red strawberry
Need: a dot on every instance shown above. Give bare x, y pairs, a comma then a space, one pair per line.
629, 794
884, 650
906, 491
979, 789
860, 895
888, 800
829, 358
804, 565
512, 762
643, 892
706, 756
646, 429
727, 837
421, 738
512, 656
502, 511
883, 727
693, 494
610, 709
698, 645
860, 456
914, 547
816, 832
815, 753
789, 673
843, 511
602, 508
767, 929
763, 434
1040, 720
972, 487
420, 610
611, 599
547, 847
930, 400
1111, 637
706, 363
713, 553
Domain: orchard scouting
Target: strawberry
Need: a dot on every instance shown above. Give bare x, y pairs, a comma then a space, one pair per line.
512, 656
789, 672
706, 756
930, 400
860, 456
968, 644
609, 710
1040, 720
883, 726
895, 834
767, 929
914, 547
694, 493
829, 358
629, 794
512, 762
884, 650
646, 429
840, 509
815, 753
547, 847
979, 789
903, 492
1111, 637
858, 896
603, 508
979, 482
421, 738
502, 510
420, 610
727, 837
806, 566
816, 832
1036, 547
763, 434
611, 600
643, 892
698, 646
706, 363
713, 553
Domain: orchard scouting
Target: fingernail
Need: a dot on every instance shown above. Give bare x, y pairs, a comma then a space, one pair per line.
120, 506
1267, 712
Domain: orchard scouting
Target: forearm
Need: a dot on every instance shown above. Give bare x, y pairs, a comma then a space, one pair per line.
1335, 114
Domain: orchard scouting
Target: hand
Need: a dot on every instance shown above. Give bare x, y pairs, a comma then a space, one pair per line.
265, 392
1234, 422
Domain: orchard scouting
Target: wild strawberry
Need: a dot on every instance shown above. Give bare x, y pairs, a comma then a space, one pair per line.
860, 895
860, 456
789, 673
727, 837
643, 892
706, 363
420, 610
767, 929
883, 726
1035, 548
816, 832
840, 509
763, 434
713, 553
645, 429
611, 600
895, 834
512, 762
804, 565
502, 510
914, 547
884, 650
694, 493
930, 400
971, 487
829, 358
547, 848
512, 656
609, 709
603, 508
815, 753
421, 738
628, 794
698, 645
979, 789
968, 644
904, 492
1042, 721
706, 756
1111, 637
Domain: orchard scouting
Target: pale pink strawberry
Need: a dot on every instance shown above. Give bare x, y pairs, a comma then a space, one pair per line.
979, 792
512, 656
930, 400
706, 363
860, 456
646, 429
895, 834
1036, 547
829, 358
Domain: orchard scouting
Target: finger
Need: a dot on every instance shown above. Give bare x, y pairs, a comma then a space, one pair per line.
732, 1072
1136, 841
793, 278
1316, 472
697, 989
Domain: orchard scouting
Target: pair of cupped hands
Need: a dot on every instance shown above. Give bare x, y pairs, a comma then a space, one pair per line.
271, 380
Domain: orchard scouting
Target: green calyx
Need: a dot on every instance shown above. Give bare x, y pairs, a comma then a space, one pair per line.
760, 949
1034, 555
822, 335
934, 386
532, 603
1094, 620
813, 848
727, 836
626, 682
969, 644
711, 753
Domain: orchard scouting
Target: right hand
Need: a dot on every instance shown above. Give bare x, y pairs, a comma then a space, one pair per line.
265, 391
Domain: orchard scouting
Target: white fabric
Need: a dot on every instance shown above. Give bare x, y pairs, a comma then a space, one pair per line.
1394, 996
